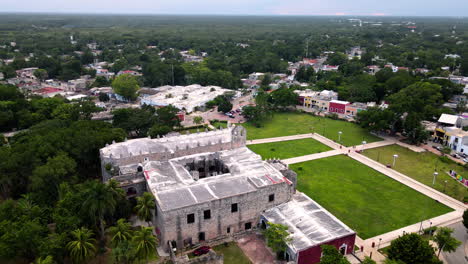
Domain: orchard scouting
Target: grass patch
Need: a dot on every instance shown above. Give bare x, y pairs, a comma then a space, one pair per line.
287, 124
366, 200
219, 124
288, 149
232, 253
421, 167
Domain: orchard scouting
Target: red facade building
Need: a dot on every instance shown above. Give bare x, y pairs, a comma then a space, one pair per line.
310, 226
337, 106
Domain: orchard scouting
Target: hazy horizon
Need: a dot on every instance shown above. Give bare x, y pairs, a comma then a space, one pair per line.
449, 8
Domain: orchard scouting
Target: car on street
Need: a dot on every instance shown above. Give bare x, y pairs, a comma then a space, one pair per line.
201, 250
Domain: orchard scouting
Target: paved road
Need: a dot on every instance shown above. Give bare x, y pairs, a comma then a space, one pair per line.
458, 257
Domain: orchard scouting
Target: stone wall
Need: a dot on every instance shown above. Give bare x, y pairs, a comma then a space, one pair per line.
250, 205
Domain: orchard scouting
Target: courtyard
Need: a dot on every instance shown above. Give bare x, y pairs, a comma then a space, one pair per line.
289, 149
232, 253
291, 123
364, 199
421, 167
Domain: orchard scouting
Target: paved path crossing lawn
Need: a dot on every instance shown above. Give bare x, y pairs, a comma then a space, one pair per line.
288, 149
421, 167
286, 124
364, 199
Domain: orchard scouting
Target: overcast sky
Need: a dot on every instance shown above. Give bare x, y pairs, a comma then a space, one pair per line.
242, 7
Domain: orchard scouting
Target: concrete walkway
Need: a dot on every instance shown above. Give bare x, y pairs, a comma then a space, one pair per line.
278, 139
384, 239
320, 155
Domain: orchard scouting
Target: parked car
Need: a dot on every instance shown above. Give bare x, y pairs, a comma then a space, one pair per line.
455, 155
465, 160
201, 250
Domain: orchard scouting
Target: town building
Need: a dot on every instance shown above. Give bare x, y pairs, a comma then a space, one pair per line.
338, 107
209, 186
316, 100
354, 108
187, 98
310, 226
206, 185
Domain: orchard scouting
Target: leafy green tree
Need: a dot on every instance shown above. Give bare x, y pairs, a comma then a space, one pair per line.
445, 241
99, 201
277, 237
225, 106
41, 74
120, 232
412, 249
198, 120
126, 85
124, 252
46, 178
331, 255
101, 81
284, 97
81, 247
145, 204
145, 243
168, 116
159, 130
337, 58
134, 121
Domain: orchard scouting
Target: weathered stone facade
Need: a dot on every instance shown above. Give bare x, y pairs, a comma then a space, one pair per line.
206, 185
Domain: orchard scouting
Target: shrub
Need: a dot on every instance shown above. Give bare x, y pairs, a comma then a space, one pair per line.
108, 167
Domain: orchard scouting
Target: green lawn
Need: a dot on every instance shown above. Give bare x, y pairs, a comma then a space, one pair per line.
421, 167
286, 124
288, 149
219, 124
232, 254
366, 200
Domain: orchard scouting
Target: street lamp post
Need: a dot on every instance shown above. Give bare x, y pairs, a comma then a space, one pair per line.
363, 143
395, 156
380, 240
434, 178
339, 136
445, 185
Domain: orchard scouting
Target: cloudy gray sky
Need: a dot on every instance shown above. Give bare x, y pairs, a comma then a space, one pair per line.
240, 7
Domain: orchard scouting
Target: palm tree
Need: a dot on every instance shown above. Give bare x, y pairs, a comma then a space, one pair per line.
144, 205
145, 243
46, 260
114, 187
120, 232
99, 201
81, 247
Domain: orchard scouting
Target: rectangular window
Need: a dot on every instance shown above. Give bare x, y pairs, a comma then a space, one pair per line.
271, 197
248, 226
207, 214
190, 218
234, 208
228, 230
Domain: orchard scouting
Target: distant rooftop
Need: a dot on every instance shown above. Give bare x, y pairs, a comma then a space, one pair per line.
308, 223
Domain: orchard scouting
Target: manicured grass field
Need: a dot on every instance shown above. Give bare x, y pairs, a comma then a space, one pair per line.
287, 124
364, 199
421, 167
288, 149
232, 254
